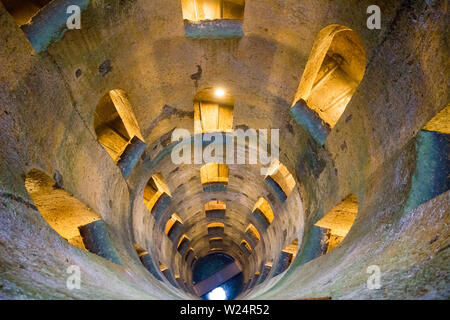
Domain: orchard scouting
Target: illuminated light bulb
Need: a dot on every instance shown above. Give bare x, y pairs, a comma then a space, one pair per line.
219, 93
217, 294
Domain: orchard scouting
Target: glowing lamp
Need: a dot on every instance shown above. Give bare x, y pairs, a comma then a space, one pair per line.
220, 93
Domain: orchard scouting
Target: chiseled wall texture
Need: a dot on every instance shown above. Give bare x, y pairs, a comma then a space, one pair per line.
47, 104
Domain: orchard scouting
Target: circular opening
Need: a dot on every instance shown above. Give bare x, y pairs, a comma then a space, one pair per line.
209, 270
218, 293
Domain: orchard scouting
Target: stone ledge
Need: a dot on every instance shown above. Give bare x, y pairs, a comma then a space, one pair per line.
213, 29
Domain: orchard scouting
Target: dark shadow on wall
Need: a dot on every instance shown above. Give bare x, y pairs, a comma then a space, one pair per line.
432, 175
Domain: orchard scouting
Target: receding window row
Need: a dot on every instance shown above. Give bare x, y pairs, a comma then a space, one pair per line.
213, 112
216, 230
174, 226
253, 237
285, 259
174, 279
214, 177
264, 216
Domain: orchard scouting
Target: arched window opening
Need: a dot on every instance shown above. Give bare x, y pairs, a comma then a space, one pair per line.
180, 281
140, 251
215, 209
69, 217
263, 213
147, 261
216, 243
24, 10
197, 10
332, 74
213, 111
280, 179
173, 225
246, 247
286, 257
118, 131
168, 274
214, 177
338, 222
266, 270
183, 244
253, 233
216, 228
62, 212
156, 195
190, 256
213, 18
292, 248
162, 267
432, 172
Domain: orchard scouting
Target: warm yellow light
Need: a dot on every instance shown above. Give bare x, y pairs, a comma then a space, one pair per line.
219, 93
